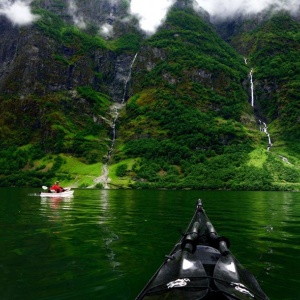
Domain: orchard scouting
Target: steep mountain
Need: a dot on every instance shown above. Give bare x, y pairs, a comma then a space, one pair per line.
273, 52
190, 93
171, 110
271, 44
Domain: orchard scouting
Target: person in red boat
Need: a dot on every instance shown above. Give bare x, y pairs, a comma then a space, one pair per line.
56, 187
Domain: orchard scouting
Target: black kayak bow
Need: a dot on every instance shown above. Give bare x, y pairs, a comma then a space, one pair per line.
200, 266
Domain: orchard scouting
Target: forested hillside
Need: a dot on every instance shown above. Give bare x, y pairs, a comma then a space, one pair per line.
170, 110
273, 52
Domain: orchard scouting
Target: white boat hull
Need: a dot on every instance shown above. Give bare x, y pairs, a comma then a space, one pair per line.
62, 194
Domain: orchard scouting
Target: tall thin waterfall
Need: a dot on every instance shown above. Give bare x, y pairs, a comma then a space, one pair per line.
252, 87
128, 79
262, 125
115, 109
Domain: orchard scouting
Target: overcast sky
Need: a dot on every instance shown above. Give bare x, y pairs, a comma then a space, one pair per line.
151, 13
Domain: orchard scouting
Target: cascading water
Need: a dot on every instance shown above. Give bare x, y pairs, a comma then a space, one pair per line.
252, 87
263, 126
128, 78
115, 109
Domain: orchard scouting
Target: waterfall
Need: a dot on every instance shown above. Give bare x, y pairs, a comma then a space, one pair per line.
252, 87
284, 159
115, 109
128, 78
263, 126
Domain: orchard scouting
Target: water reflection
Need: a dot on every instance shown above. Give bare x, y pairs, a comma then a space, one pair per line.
56, 208
110, 236
104, 205
56, 202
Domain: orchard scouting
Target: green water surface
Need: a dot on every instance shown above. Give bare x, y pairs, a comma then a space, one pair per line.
104, 244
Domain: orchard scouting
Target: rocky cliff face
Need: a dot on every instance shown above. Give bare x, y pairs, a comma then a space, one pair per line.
9, 44
32, 63
109, 18
30, 66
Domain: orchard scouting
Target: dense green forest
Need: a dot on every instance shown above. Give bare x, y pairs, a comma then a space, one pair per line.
187, 121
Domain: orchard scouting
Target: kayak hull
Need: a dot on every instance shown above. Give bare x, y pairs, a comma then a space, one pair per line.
200, 266
62, 194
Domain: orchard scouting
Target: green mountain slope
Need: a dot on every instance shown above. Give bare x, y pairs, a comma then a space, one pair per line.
272, 49
187, 122
55, 100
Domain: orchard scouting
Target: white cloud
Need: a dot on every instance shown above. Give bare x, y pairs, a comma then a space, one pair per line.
150, 13
106, 30
77, 18
221, 9
18, 12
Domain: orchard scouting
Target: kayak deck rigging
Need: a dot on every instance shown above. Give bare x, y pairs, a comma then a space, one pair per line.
200, 266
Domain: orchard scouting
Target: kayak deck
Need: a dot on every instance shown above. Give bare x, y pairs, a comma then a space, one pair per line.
200, 266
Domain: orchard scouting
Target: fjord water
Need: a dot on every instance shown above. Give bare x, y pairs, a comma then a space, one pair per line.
106, 244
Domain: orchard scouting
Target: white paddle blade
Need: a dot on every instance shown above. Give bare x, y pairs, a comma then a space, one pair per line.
45, 187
